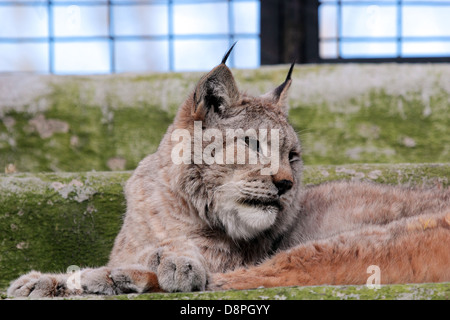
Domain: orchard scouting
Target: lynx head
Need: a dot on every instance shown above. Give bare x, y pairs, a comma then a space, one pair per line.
236, 156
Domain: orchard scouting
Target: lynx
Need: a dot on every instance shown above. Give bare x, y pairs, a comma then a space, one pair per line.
192, 225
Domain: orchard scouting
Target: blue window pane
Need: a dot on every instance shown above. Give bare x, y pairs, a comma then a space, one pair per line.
426, 21
82, 57
424, 1
328, 49
74, 1
426, 49
246, 17
198, 55
24, 57
141, 56
23, 1
246, 53
22, 21
368, 49
76, 20
139, 1
328, 21
141, 20
205, 18
369, 21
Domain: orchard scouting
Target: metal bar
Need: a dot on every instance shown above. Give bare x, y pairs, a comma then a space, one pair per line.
112, 55
339, 29
399, 28
51, 44
171, 36
230, 32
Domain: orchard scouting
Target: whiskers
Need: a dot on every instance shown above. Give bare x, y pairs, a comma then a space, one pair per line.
253, 193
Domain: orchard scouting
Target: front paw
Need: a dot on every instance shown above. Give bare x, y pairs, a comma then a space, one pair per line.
23, 286
178, 273
38, 285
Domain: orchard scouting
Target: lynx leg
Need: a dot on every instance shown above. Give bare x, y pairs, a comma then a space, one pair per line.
414, 250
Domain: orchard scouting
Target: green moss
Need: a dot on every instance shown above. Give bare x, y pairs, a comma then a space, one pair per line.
138, 133
164, 76
425, 291
426, 175
377, 116
48, 227
95, 135
374, 129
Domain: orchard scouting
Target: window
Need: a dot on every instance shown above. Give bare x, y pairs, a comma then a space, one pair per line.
384, 29
100, 36
107, 36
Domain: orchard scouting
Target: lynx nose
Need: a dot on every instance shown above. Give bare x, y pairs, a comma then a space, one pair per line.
283, 186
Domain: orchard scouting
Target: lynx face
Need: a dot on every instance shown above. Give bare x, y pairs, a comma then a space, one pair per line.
247, 201
240, 157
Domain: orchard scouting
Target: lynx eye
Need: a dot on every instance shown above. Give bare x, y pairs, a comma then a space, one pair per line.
252, 144
294, 156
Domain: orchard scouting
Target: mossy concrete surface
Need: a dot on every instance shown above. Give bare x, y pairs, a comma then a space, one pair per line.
352, 113
426, 291
50, 221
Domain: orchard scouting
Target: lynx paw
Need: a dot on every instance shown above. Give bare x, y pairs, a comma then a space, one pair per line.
38, 285
102, 280
179, 273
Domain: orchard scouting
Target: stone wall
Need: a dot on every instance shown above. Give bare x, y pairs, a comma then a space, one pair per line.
386, 113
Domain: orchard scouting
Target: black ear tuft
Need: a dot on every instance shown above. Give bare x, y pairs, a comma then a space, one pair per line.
279, 95
280, 88
290, 71
225, 57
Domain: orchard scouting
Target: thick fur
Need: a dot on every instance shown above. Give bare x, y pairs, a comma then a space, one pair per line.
351, 226
220, 226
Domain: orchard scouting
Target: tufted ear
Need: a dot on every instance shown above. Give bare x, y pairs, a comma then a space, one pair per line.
280, 94
216, 91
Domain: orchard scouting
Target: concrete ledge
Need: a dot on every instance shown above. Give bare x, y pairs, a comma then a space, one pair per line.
50, 221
